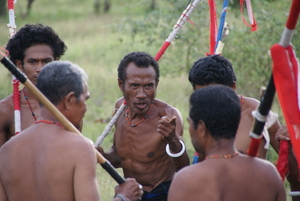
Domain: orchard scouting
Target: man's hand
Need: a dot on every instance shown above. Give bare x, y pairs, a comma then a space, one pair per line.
100, 149
130, 190
166, 127
282, 134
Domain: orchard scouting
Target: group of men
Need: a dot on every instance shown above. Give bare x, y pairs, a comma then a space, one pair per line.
51, 163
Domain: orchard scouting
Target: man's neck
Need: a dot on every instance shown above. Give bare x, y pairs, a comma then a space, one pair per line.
28, 94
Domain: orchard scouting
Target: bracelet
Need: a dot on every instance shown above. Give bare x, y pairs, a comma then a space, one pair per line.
120, 196
178, 154
295, 193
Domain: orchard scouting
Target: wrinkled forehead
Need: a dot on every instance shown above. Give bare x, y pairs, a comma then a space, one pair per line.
133, 71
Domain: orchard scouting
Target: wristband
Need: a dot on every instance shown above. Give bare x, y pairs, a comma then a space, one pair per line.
178, 154
121, 196
295, 193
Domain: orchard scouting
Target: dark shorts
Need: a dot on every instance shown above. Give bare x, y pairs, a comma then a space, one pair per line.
159, 193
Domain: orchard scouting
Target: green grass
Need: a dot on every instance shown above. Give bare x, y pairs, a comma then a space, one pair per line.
95, 46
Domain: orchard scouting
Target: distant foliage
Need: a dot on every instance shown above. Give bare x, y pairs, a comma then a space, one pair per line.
247, 50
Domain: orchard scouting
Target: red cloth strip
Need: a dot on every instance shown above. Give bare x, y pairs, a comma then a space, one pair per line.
254, 25
254, 147
10, 4
282, 162
16, 94
213, 26
162, 50
294, 14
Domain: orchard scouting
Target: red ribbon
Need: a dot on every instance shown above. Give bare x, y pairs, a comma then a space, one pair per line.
213, 26
254, 24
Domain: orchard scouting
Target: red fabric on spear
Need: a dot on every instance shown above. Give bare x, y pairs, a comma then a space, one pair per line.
285, 71
213, 26
282, 162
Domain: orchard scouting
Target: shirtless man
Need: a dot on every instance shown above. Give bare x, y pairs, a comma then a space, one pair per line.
148, 142
217, 69
48, 162
224, 174
30, 49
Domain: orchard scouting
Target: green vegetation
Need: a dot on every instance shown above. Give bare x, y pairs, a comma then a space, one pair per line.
98, 42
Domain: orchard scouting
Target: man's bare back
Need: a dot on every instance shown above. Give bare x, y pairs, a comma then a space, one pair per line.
224, 174
215, 179
42, 150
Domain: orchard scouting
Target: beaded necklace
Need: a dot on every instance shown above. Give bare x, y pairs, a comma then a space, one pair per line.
26, 98
48, 122
222, 156
145, 117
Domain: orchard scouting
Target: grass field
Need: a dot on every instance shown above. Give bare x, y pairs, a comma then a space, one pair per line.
94, 46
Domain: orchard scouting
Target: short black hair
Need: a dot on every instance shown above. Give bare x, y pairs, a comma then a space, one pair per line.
34, 34
213, 69
218, 106
141, 60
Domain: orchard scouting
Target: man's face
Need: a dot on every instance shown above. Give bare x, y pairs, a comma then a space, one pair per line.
36, 57
79, 108
139, 88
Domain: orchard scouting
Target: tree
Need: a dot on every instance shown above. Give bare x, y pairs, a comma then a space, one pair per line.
247, 50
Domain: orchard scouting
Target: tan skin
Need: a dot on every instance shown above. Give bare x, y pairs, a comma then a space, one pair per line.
243, 139
35, 58
140, 150
224, 179
52, 163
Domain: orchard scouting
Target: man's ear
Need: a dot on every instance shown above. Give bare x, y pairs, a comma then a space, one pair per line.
121, 84
201, 129
69, 100
19, 65
157, 83
233, 86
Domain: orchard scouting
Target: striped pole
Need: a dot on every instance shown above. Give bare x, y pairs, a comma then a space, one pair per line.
16, 95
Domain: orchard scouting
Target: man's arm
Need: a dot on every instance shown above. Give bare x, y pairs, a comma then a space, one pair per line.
85, 181
172, 131
4, 119
272, 132
3, 196
111, 156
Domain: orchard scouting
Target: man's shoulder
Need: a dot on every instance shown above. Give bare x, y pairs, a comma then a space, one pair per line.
164, 108
163, 105
6, 110
7, 103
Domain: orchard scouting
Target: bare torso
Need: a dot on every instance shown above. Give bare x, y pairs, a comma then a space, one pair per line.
243, 139
233, 179
7, 125
142, 149
46, 163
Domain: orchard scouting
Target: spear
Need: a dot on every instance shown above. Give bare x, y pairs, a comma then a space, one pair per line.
222, 26
179, 24
16, 95
284, 63
60, 117
286, 76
